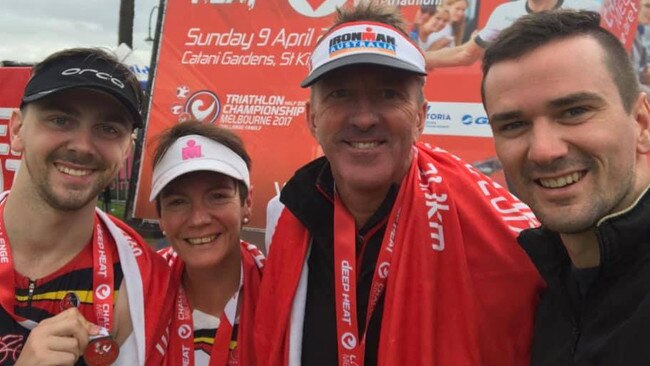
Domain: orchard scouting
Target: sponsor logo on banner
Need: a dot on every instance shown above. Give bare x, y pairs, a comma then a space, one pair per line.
468, 119
316, 8
176, 109
204, 106
10, 158
250, 3
456, 119
256, 111
182, 91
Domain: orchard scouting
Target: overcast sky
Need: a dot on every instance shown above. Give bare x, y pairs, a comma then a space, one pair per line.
32, 29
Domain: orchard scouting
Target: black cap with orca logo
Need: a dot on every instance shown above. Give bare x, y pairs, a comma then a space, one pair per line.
83, 71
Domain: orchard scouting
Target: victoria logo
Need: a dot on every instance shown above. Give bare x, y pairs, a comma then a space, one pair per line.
103, 291
317, 8
204, 106
184, 331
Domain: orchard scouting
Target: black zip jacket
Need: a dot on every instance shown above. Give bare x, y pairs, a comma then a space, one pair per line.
608, 323
309, 196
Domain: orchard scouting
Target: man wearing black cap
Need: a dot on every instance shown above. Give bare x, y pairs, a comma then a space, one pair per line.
62, 261
390, 251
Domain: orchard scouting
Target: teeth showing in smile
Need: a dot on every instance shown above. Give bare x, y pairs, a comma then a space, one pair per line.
364, 145
561, 181
73, 172
202, 240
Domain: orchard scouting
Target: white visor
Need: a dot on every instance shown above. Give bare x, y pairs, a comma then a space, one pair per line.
364, 43
196, 153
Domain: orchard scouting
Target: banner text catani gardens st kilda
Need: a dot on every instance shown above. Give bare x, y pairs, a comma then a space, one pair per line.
244, 42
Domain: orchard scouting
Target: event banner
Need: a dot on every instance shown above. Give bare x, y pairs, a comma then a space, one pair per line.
12, 84
238, 64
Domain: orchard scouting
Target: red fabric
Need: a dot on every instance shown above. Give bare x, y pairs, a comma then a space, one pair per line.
468, 299
252, 265
156, 282
52, 304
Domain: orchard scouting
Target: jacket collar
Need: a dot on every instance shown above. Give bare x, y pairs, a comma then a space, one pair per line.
619, 235
309, 195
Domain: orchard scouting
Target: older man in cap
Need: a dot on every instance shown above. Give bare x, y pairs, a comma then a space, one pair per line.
62, 261
389, 251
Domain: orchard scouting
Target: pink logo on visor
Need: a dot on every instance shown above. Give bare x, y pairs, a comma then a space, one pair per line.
191, 151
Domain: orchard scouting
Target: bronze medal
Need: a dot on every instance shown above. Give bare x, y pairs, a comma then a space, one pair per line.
101, 351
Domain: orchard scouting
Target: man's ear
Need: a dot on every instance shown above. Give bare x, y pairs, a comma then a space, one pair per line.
15, 127
642, 117
129, 148
132, 141
310, 118
422, 117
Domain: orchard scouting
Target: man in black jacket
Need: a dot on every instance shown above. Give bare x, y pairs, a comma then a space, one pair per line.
572, 131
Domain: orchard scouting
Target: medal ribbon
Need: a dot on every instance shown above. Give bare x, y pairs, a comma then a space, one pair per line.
182, 347
102, 276
350, 347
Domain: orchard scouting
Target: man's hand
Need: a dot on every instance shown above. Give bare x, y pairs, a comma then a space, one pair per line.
59, 340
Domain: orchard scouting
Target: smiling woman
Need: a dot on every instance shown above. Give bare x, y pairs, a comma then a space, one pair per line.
201, 186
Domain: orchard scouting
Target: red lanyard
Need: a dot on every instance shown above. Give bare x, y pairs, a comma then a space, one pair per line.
102, 275
350, 347
182, 346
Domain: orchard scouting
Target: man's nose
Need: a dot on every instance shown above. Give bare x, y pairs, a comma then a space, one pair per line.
547, 142
82, 140
365, 114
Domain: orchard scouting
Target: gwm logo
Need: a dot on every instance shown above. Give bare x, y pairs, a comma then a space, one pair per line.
317, 8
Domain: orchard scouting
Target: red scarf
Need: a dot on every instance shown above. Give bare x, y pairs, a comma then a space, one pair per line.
459, 289
155, 284
252, 264
146, 276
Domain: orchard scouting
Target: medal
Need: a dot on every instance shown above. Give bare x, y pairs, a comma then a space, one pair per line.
102, 350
